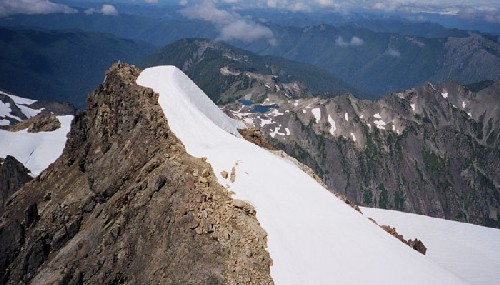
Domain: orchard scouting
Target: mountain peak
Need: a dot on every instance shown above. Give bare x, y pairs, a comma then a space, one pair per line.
126, 203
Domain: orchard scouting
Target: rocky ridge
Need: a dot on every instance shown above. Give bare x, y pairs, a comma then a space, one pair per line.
14, 109
13, 175
429, 150
125, 204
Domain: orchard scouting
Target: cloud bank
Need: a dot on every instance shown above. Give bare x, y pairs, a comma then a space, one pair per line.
32, 7
392, 52
230, 25
106, 9
488, 10
355, 41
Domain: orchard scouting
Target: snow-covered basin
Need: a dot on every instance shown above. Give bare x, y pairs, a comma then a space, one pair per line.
35, 150
470, 251
313, 238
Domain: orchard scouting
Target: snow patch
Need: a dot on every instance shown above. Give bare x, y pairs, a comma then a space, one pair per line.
333, 128
353, 136
377, 116
264, 122
468, 251
413, 106
19, 100
35, 150
4, 122
5, 109
317, 114
444, 94
463, 104
346, 117
380, 124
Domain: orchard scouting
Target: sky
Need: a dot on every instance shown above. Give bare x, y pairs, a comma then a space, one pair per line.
488, 10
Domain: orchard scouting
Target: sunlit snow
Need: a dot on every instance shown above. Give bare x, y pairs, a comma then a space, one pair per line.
346, 117
467, 250
333, 128
317, 114
35, 150
380, 124
313, 237
5, 109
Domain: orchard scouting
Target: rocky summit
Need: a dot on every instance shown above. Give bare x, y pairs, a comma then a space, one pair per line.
125, 204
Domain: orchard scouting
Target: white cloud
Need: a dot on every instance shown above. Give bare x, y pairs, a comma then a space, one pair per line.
109, 10
392, 52
151, 1
31, 7
300, 7
106, 9
355, 41
230, 25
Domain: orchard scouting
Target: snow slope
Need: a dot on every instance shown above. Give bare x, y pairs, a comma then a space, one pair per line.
313, 237
35, 150
469, 251
22, 103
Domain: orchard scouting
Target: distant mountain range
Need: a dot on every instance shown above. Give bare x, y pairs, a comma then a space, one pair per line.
226, 73
60, 65
374, 55
379, 63
429, 150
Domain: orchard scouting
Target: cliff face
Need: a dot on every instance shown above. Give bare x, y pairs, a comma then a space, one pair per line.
125, 204
13, 175
430, 150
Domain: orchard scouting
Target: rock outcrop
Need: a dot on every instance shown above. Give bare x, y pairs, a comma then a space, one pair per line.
125, 204
40, 123
17, 109
13, 175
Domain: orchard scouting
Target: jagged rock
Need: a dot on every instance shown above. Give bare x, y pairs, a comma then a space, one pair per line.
416, 244
224, 174
13, 175
254, 135
40, 123
122, 205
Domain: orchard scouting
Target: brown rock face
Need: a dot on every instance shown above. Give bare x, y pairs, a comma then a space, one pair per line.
254, 136
39, 123
416, 244
125, 204
13, 175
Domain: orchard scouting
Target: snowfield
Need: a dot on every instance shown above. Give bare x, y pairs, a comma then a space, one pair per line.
35, 150
469, 251
313, 237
